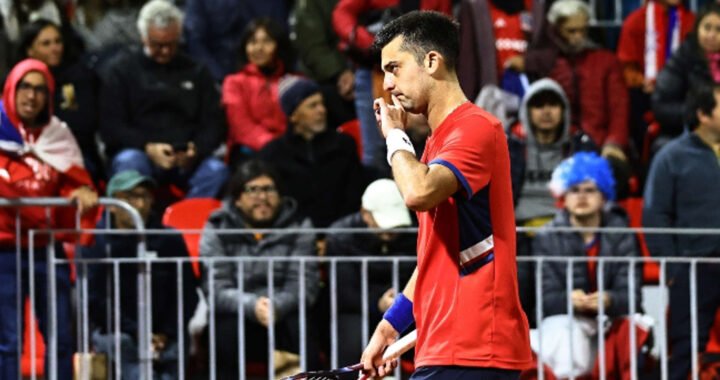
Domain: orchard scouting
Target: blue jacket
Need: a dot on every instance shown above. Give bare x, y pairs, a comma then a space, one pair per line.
682, 192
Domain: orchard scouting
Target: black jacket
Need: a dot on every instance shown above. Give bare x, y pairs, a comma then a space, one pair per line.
686, 69
143, 101
569, 244
324, 175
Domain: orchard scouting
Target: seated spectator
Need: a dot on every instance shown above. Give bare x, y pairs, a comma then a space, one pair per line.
136, 189
15, 14
161, 111
76, 101
250, 97
38, 158
590, 76
382, 207
680, 193
585, 184
316, 43
649, 37
213, 29
695, 63
319, 165
537, 145
256, 200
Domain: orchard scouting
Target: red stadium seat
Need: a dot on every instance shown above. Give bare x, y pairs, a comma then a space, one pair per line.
26, 359
352, 129
191, 213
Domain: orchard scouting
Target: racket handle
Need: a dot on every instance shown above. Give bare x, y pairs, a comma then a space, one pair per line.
395, 350
401, 346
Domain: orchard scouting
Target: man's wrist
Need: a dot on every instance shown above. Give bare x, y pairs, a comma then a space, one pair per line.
400, 314
398, 140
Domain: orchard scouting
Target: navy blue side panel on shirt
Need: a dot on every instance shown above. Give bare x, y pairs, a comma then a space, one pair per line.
475, 231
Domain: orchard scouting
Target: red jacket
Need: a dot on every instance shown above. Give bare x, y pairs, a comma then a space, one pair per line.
43, 162
631, 46
593, 82
347, 13
252, 107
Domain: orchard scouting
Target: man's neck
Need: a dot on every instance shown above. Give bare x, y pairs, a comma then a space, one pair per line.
708, 136
545, 137
447, 97
589, 221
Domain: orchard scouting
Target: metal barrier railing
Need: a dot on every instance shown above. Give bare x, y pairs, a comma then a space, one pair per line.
146, 263
49, 203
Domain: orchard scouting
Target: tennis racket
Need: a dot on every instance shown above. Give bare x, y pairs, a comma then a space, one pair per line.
393, 351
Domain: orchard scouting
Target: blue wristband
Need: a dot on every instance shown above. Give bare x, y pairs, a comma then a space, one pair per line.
400, 314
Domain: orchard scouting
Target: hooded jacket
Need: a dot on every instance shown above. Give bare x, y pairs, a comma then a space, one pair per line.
38, 162
282, 245
532, 163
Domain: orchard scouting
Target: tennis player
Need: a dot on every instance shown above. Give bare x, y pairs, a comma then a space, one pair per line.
463, 295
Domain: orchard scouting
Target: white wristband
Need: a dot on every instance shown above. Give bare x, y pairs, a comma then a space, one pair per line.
396, 140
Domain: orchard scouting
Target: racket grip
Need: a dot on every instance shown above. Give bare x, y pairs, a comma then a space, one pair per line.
401, 346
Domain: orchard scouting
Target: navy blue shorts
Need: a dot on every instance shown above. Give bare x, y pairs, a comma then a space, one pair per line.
464, 373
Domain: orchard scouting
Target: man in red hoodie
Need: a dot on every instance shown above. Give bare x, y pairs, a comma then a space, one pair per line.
39, 157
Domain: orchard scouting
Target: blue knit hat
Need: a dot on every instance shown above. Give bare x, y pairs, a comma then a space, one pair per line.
581, 167
293, 90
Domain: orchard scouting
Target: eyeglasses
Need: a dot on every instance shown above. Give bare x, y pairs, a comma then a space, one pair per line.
27, 87
257, 190
583, 190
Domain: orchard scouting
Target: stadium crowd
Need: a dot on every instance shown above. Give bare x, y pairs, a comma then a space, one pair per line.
267, 107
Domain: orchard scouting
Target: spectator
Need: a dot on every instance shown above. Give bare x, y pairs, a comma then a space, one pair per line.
250, 96
356, 22
76, 102
15, 14
678, 195
213, 28
161, 111
39, 158
590, 76
382, 207
136, 189
493, 35
319, 165
316, 43
256, 200
537, 144
585, 184
649, 37
695, 63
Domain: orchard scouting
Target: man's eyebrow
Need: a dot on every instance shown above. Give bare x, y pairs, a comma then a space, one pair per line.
388, 66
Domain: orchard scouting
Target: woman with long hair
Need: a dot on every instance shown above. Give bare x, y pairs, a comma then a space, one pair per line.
250, 96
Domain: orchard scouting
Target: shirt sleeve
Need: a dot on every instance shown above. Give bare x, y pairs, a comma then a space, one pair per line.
469, 152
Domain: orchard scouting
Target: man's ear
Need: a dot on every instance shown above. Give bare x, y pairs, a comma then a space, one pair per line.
432, 61
701, 116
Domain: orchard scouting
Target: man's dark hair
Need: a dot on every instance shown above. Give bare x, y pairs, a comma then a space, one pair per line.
544, 97
422, 32
283, 50
248, 171
700, 99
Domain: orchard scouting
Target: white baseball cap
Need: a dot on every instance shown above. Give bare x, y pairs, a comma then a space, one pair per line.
383, 200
